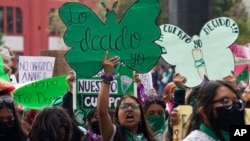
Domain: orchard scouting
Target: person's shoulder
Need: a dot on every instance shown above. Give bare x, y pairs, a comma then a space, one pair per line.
198, 135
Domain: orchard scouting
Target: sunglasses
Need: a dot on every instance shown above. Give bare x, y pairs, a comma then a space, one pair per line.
229, 103
133, 106
6, 99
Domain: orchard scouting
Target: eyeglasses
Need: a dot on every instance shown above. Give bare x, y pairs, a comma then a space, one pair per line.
6, 99
154, 98
228, 103
133, 106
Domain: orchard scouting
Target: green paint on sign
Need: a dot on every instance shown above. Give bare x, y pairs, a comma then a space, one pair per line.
3, 75
87, 89
40, 94
132, 38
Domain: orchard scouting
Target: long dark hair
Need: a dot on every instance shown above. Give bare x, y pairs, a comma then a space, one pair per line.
151, 99
142, 127
47, 123
205, 97
18, 130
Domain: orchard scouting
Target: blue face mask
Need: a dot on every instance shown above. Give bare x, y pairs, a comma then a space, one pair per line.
5, 127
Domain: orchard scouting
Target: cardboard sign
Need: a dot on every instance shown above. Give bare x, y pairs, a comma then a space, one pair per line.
87, 89
32, 68
205, 55
41, 93
132, 40
247, 116
61, 66
179, 130
3, 75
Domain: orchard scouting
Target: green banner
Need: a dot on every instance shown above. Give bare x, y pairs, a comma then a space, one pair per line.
87, 89
243, 76
3, 75
40, 94
132, 38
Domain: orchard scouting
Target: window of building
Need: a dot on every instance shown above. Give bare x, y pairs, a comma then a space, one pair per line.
19, 25
1, 19
10, 20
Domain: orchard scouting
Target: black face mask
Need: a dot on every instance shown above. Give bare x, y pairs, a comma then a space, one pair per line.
5, 127
95, 127
227, 117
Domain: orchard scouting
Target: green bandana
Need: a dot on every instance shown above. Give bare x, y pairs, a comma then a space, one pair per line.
158, 124
211, 133
134, 137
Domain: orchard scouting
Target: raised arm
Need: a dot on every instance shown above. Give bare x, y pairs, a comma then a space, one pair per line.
68, 96
106, 125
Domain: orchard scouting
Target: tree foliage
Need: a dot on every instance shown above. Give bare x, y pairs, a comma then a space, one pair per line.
236, 10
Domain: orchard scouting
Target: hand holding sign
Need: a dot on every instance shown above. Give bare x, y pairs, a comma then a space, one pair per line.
132, 41
202, 55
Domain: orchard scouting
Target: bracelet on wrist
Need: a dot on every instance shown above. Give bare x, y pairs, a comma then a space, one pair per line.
107, 78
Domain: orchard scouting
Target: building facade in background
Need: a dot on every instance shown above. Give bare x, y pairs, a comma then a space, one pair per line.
26, 25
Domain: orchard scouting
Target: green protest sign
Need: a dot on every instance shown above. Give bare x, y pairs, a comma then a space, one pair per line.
87, 89
132, 38
205, 55
243, 76
39, 94
3, 75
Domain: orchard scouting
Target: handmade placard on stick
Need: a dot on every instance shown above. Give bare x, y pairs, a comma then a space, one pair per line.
3, 75
205, 55
32, 68
40, 94
89, 88
132, 39
180, 129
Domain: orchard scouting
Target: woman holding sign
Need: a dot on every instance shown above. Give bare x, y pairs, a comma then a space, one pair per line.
131, 123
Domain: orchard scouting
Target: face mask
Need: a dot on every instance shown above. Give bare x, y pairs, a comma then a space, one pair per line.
95, 127
5, 127
226, 117
156, 122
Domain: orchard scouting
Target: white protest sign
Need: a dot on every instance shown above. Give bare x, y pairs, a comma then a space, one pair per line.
204, 55
93, 86
32, 68
147, 82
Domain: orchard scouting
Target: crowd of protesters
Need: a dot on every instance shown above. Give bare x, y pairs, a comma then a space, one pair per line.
217, 104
